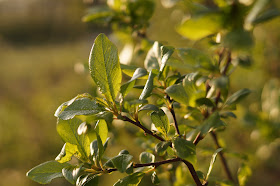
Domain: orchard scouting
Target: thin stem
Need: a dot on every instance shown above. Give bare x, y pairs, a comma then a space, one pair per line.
138, 124
155, 164
171, 109
223, 159
193, 173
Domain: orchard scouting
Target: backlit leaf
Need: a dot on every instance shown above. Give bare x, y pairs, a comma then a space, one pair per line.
146, 157
104, 67
161, 122
46, 172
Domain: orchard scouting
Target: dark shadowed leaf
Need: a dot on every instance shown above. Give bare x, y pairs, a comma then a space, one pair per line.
237, 96
161, 147
155, 179
185, 149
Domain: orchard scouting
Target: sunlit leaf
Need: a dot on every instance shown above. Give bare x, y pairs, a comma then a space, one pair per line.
161, 122
46, 172
213, 161
149, 107
71, 173
67, 129
67, 151
148, 87
244, 173
104, 67
102, 130
201, 26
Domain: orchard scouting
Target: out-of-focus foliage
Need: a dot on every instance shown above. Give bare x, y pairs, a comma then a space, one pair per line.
36, 79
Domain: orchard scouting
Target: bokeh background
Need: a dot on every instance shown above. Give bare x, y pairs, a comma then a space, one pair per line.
43, 46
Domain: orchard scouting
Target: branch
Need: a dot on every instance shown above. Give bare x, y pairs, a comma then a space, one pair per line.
171, 109
138, 124
193, 173
223, 159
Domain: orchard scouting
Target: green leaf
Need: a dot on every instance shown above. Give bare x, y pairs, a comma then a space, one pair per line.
79, 106
97, 149
244, 173
67, 151
87, 180
238, 40
67, 129
178, 93
213, 161
161, 147
146, 157
257, 8
155, 179
148, 87
185, 149
211, 123
266, 16
102, 130
104, 67
121, 162
46, 172
204, 101
196, 58
166, 52
160, 119
201, 26
149, 107
131, 180
71, 173
125, 88
237, 96
153, 57
98, 14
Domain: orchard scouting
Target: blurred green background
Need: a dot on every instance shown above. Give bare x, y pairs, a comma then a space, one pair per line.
43, 46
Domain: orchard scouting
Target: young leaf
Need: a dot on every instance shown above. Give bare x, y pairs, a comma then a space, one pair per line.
148, 87
146, 157
152, 60
46, 172
178, 93
237, 96
102, 130
131, 180
160, 119
244, 173
104, 67
166, 52
67, 129
125, 88
121, 162
161, 147
155, 179
185, 149
67, 151
213, 161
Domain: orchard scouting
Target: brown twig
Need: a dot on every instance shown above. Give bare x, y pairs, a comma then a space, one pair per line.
138, 124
